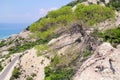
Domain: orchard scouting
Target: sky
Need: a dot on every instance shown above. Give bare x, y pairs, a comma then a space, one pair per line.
27, 11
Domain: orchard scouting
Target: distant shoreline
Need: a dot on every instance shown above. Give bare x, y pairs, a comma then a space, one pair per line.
6, 37
7, 29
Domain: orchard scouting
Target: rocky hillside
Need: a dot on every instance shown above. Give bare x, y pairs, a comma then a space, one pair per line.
103, 64
79, 41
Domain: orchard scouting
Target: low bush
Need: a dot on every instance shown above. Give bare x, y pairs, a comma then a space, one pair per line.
86, 53
29, 78
15, 74
25, 46
58, 74
112, 35
115, 4
65, 10
93, 14
1, 67
33, 75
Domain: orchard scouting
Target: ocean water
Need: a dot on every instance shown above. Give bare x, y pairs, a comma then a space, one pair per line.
7, 29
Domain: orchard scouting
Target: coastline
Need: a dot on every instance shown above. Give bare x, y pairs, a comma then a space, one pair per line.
6, 37
9, 29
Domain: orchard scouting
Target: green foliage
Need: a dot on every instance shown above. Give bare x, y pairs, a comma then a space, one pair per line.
56, 71
44, 35
112, 35
86, 53
34, 27
45, 26
42, 25
89, 15
65, 10
55, 60
58, 74
29, 78
114, 4
2, 43
15, 74
93, 14
33, 75
1, 67
65, 19
41, 48
25, 46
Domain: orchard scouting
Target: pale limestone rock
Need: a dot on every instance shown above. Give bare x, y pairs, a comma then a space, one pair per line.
107, 52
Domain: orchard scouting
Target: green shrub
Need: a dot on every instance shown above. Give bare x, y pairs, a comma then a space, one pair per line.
93, 14
114, 4
112, 35
86, 53
15, 74
33, 75
34, 27
58, 74
1, 67
55, 72
55, 60
65, 10
29, 78
42, 25
44, 35
89, 15
2, 43
25, 46
65, 19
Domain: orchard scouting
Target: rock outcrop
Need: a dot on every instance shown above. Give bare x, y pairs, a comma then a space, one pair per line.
102, 65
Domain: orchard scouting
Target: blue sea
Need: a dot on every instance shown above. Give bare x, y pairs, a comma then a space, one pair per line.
7, 29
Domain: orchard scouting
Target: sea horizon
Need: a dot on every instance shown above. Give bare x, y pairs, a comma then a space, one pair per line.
8, 29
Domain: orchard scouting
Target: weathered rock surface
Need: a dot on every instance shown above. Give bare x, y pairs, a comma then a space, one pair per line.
104, 64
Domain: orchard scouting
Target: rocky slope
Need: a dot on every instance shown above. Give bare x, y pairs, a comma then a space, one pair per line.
68, 52
102, 65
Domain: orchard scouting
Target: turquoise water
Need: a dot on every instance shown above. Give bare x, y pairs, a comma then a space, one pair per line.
7, 29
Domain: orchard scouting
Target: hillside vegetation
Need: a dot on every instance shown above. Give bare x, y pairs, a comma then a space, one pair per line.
115, 4
46, 27
62, 17
67, 38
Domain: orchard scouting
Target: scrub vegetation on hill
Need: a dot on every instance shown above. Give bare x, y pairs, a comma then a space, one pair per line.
25, 46
49, 26
111, 35
61, 18
114, 4
89, 15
